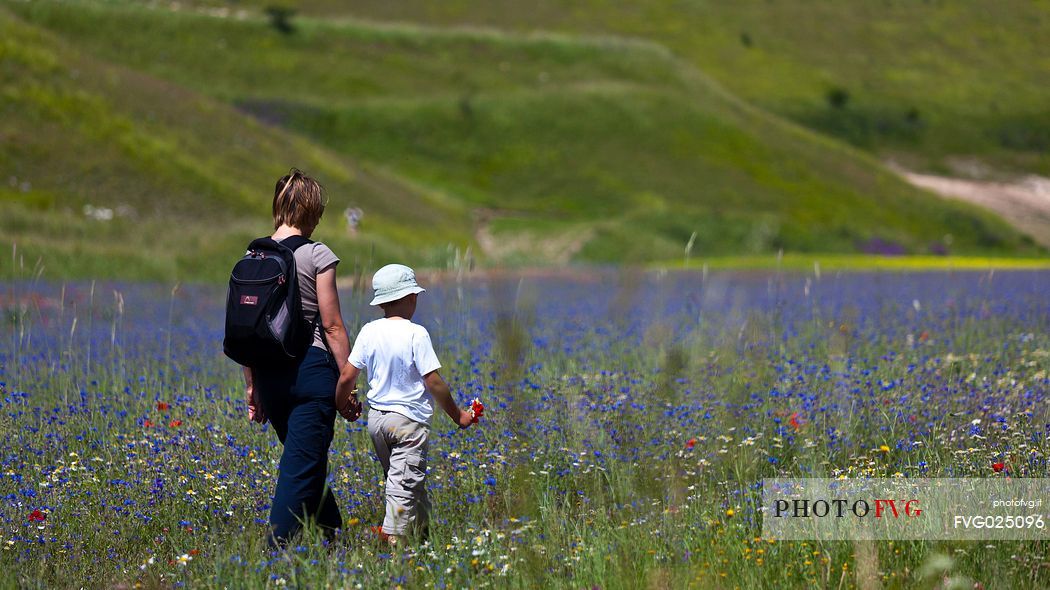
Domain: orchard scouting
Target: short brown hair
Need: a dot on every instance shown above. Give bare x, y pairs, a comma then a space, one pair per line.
298, 201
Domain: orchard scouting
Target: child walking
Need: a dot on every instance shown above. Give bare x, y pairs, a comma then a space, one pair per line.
403, 384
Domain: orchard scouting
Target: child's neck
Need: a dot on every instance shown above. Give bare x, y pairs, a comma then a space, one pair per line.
402, 309
398, 312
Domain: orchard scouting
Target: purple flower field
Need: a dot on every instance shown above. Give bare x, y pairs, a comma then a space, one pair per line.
629, 418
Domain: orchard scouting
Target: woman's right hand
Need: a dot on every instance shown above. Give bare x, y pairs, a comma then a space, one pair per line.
347, 404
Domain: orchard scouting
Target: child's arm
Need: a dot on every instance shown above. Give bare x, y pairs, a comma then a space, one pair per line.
346, 401
439, 389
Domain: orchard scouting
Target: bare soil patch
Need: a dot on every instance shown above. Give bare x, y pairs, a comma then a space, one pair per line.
1024, 202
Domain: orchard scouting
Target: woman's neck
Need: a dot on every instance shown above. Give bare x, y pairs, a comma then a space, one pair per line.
285, 231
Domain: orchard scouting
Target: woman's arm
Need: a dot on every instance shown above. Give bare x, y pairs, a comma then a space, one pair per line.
332, 316
255, 410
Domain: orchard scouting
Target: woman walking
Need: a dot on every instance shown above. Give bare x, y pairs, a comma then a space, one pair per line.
298, 398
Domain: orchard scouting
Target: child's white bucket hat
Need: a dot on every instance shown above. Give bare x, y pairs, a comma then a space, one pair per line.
392, 282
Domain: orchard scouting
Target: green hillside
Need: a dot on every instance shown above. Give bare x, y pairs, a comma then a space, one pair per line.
934, 84
186, 179
532, 148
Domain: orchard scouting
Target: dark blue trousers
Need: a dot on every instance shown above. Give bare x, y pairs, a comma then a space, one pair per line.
300, 403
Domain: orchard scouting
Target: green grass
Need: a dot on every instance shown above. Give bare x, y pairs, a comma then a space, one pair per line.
929, 83
856, 263
572, 149
188, 178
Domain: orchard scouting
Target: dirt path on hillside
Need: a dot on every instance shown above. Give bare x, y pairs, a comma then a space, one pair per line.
1025, 202
553, 248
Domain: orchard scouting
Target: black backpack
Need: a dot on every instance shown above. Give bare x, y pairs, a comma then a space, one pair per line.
264, 310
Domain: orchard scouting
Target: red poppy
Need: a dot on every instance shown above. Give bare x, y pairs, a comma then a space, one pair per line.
998, 467
689, 444
37, 516
793, 421
924, 336
162, 406
195, 551
477, 409
147, 424
175, 423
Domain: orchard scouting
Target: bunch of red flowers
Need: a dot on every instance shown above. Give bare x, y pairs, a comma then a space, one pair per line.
477, 409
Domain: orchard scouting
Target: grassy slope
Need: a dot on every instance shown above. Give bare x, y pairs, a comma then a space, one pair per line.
79, 132
612, 151
974, 73
817, 263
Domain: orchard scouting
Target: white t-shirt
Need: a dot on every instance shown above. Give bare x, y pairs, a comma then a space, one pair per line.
396, 354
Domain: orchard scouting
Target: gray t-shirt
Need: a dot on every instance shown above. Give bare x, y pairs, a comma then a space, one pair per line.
310, 260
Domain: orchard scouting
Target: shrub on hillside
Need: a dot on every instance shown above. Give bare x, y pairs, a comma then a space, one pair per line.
281, 18
837, 97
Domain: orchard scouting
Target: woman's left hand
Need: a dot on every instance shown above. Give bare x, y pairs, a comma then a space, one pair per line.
255, 410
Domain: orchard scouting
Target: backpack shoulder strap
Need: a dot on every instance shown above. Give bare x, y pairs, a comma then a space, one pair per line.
292, 243
295, 242
265, 242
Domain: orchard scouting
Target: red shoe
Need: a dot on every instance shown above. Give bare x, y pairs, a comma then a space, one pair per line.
378, 530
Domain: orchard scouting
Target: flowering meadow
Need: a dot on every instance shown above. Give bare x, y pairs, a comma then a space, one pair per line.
629, 420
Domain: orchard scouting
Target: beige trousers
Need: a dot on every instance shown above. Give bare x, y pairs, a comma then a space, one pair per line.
402, 445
